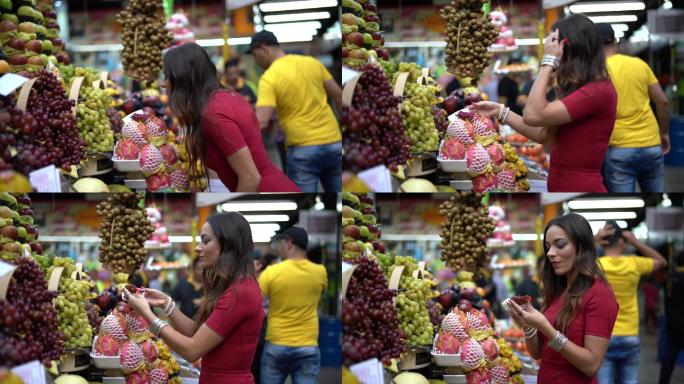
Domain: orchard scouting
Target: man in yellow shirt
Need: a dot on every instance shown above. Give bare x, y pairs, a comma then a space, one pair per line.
639, 141
297, 88
294, 288
623, 273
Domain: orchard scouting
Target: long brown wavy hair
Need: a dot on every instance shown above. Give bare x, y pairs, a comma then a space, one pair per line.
583, 59
580, 235
235, 261
193, 79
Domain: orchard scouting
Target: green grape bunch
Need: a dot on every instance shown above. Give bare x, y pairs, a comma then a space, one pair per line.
412, 311
93, 121
416, 110
70, 304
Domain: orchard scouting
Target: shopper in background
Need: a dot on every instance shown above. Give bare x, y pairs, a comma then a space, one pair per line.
578, 126
234, 80
226, 329
650, 291
188, 291
297, 89
222, 130
294, 288
623, 273
640, 141
674, 318
572, 332
528, 287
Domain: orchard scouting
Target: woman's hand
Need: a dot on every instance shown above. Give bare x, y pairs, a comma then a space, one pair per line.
138, 303
156, 298
528, 314
487, 108
552, 46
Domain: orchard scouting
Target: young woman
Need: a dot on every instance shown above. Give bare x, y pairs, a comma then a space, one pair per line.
226, 329
572, 333
222, 130
578, 126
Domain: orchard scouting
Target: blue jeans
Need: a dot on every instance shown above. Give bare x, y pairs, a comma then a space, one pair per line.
277, 362
623, 357
308, 164
625, 166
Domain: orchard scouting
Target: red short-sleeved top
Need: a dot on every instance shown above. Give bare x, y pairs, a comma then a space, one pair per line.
238, 317
228, 125
596, 317
578, 148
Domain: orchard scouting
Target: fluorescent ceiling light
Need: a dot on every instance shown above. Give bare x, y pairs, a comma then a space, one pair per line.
293, 38
299, 25
597, 225
608, 215
296, 5
620, 27
614, 19
608, 6
266, 218
296, 17
606, 203
265, 227
247, 206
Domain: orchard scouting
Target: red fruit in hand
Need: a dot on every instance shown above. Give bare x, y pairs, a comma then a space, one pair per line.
123, 307
465, 305
522, 300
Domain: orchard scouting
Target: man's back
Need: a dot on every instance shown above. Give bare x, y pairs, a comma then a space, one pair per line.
294, 85
635, 125
294, 288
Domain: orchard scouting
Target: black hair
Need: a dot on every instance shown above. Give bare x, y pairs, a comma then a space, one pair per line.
234, 62
616, 236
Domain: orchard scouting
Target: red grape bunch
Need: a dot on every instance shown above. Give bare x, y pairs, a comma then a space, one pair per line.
28, 321
373, 127
49, 105
369, 318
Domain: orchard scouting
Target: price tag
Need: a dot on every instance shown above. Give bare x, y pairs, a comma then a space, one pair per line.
32, 372
53, 283
378, 178
9, 83
6, 271
46, 179
369, 371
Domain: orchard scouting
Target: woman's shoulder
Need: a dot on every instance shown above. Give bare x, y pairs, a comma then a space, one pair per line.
600, 290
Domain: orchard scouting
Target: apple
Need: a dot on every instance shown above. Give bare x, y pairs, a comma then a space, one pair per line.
53, 25
446, 299
10, 17
16, 44
357, 54
123, 307
345, 53
18, 60
10, 231
35, 46
355, 38
7, 26
128, 106
57, 42
63, 58
347, 212
472, 98
50, 14
37, 60
352, 231
36, 247
353, 247
465, 305
378, 246
372, 19
27, 27
451, 104
349, 19
24, 199
104, 301
469, 294
370, 7
385, 53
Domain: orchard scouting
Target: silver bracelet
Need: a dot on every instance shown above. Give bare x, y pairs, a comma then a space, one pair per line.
531, 335
558, 342
501, 111
508, 110
157, 326
170, 307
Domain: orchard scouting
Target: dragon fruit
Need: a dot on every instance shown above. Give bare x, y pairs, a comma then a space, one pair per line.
456, 324
505, 178
138, 377
179, 179
478, 325
170, 156
159, 375
485, 132
131, 357
158, 181
114, 325
472, 355
499, 374
106, 345
478, 159
126, 149
150, 159
490, 348
149, 350
157, 133
136, 131
484, 182
462, 130
447, 343
496, 154
452, 149
137, 327
478, 376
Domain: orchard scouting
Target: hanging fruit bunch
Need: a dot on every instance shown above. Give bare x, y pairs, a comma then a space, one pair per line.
123, 231
469, 34
465, 230
144, 38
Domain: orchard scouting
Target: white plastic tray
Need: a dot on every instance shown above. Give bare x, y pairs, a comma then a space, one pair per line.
453, 166
127, 165
455, 379
461, 185
104, 362
113, 380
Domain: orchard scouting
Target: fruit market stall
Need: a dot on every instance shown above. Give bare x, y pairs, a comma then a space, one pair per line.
402, 318
406, 130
